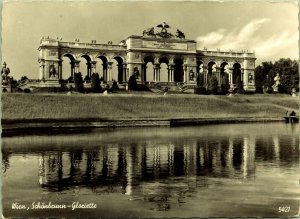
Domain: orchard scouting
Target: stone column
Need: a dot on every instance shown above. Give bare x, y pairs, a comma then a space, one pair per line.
109, 68
76, 66
242, 75
72, 69
246, 72
218, 69
42, 70
230, 76
104, 68
185, 73
171, 73
88, 68
60, 69
124, 72
142, 73
93, 67
204, 76
156, 72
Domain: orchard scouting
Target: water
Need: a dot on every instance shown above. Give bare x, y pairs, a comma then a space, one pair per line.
237, 170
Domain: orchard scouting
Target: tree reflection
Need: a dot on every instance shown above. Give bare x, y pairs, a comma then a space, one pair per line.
159, 170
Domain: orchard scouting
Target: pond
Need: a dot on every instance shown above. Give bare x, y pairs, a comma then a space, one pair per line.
232, 170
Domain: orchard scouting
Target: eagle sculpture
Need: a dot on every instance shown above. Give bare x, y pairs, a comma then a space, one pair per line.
163, 26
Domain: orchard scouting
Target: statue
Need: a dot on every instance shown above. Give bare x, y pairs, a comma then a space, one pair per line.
164, 33
250, 79
163, 27
192, 75
180, 34
149, 32
5, 72
277, 82
52, 71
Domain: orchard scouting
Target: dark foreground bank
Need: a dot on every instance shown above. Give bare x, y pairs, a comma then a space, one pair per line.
33, 126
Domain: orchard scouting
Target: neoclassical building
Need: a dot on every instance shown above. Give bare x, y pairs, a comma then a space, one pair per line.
156, 58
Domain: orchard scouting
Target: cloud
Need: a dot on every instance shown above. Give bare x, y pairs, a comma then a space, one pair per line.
250, 29
276, 45
213, 37
282, 43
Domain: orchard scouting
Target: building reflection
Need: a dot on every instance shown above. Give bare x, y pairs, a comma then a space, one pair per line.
160, 170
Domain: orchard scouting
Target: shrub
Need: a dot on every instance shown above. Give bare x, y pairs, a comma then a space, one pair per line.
212, 85
239, 86
132, 83
95, 83
200, 90
225, 86
114, 87
87, 78
70, 79
200, 80
27, 90
78, 82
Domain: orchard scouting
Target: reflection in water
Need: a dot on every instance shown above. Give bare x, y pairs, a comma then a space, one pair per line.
157, 170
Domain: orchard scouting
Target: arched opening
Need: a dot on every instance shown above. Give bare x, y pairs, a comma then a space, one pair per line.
224, 71
236, 74
85, 67
178, 70
211, 70
67, 67
101, 67
163, 71
117, 69
224, 77
148, 69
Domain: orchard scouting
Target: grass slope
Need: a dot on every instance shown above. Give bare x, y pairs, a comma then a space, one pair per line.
138, 106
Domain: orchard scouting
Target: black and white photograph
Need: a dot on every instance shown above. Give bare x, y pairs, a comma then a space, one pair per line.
150, 109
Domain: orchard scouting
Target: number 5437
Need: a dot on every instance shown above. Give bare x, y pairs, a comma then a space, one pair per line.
284, 209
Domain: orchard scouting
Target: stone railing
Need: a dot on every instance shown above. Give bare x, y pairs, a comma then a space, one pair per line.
52, 42
235, 54
91, 45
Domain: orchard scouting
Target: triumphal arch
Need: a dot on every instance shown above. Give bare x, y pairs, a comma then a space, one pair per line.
156, 57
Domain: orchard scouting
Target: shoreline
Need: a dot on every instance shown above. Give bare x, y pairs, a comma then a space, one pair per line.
12, 127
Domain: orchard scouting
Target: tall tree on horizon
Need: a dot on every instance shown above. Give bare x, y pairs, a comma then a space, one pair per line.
287, 69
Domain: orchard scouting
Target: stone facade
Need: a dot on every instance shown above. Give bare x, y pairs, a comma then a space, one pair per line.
184, 62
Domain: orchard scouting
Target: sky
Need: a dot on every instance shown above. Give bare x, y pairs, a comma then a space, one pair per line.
268, 28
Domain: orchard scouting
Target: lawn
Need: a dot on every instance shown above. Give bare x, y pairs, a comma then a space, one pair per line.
141, 106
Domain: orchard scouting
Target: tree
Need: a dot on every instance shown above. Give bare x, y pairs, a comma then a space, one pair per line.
114, 87
261, 73
95, 83
239, 85
13, 82
200, 79
87, 78
23, 78
225, 84
132, 83
212, 84
78, 82
289, 75
288, 71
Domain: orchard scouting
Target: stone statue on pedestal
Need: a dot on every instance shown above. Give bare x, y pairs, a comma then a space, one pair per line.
277, 82
52, 71
5, 72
